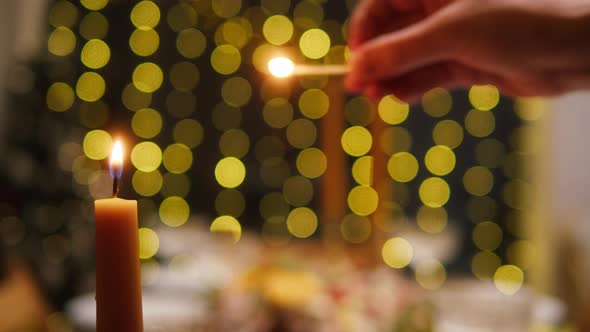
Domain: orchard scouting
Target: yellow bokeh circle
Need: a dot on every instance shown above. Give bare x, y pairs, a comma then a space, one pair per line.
298, 190
440, 160
356, 141
149, 243
484, 97
184, 76
508, 279
191, 43
530, 109
145, 15
278, 113
177, 158
437, 102
226, 8
188, 132
355, 228
147, 77
449, 133
402, 167
94, 26
234, 143
90, 86
97, 144
302, 222
397, 252
236, 91
94, 4
134, 99
432, 220
478, 181
146, 123
147, 183
392, 110
314, 103
230, 202
480, 123
487, 236
434, 192
144, 42
430, 274
181, 16
95, 54
60, 97
362, 170
314, 43
226, 59
174, 211
62, 41
146, 156
363, 200
484, 264
227, 225
277, 29
301, 133
311, 163
230, 172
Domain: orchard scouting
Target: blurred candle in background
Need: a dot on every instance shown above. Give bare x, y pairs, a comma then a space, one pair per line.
118, 280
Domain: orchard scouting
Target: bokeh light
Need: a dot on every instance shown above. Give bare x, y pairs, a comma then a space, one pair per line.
301, 133
302, 222
144, 42
95, 54
148, 77
97, 144
146, 123
298, 190
314, 43
60, 97
226, 59
478, 181
432, 220
174, 211
437, 102
188, 132
362, 170
230, 172
434, 192
355, 228
356, 141
90, 86
277, 29
311, 163
508, 279
363, 200
484, 264
147, 183
234, 143
230, 202
314, 103
62, 41
146, 156
94, 4
191, 43
440, 160
402, 167
149, 243
392, 110
177, 158
227, 225
184, 76
145, 15
430, 274
484, 97
487, 235
397, 252
449, 133
480, 123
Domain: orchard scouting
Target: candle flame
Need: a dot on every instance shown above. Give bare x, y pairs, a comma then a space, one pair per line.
116, 161
281, 67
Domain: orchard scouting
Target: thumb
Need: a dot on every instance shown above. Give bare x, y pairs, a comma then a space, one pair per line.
396, 53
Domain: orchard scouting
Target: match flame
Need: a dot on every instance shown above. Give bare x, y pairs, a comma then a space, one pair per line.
116, 161
281, 67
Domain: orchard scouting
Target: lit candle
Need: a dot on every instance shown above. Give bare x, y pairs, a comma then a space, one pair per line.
118, 280
284, 67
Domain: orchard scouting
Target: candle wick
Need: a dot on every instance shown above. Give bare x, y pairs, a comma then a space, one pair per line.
115, 186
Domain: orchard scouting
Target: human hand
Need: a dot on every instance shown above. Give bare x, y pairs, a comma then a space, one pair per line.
524, 47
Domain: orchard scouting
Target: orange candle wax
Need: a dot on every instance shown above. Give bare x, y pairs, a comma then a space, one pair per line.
118, 279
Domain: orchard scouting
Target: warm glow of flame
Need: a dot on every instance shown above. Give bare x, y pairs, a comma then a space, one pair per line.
116, 161
281, 67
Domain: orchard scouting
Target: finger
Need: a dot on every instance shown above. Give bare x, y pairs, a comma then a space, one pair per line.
397, 53
368, 16
410, 87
